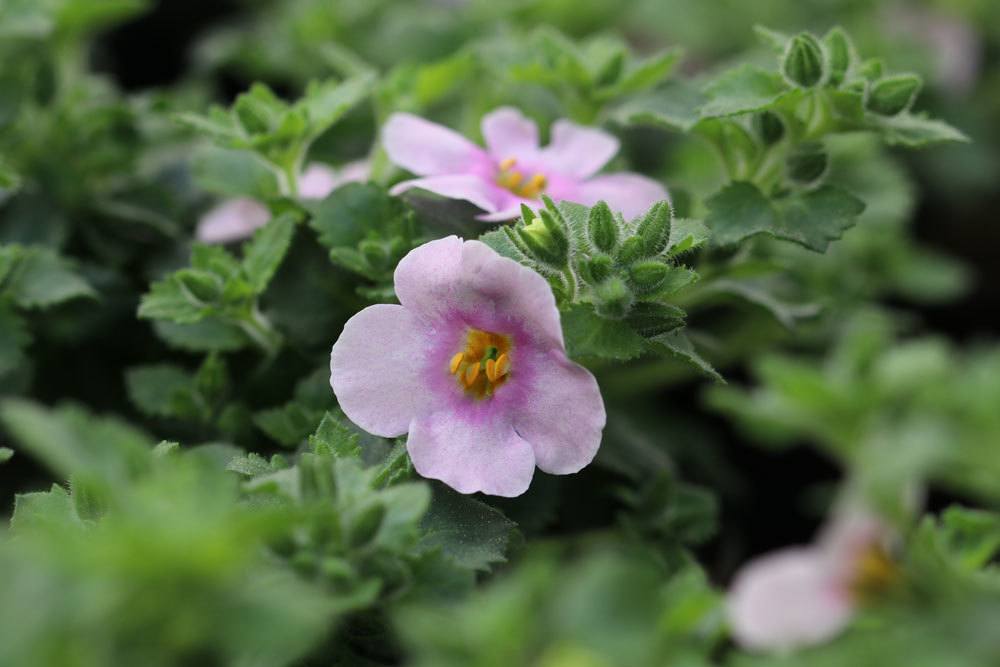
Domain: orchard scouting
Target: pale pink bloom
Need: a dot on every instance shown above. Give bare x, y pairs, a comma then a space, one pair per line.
513, 169
237, 219
473, 366
807, 595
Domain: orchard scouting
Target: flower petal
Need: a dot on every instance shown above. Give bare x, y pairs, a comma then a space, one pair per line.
375, 367
232, 220
564, 419
578, 151
471, 455
471, 188
429, 149
317, 181
508, 133
786, 600
631, 194
450, 275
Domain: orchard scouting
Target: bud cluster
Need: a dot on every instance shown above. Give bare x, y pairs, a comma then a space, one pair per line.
617, 266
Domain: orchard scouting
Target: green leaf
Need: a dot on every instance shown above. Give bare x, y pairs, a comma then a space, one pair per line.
812, 219
677, 344
235, 174
915, 131
786, 314
252, 465
262, 255
334, 437
289, 424
53, 510
5, 454
14, 338
37, 277
155, 389
470, 533
675, 106
741, 90
589, 335
325, 103
210, 334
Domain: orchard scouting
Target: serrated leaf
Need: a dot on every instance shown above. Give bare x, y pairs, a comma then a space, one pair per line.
678, 344
52, 509
289, 424
469, 533
590, 335
687, 234
675, 106
812, 219
39, 278
334, 437
250, 465
325, 103
263, 254
742, 90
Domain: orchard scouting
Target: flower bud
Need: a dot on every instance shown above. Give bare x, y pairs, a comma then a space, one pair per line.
769, 127
839, 55
543, 239
803, 63
613, 298
807, 164
596, 269
602, 228
252, 115
893, 94
654, 229
646, 277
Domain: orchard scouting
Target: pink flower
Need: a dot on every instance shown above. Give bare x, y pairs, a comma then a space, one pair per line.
472, 365
513, 169
806, 595
237, 219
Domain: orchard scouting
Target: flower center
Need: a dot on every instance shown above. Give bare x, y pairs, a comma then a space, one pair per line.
512, 179
484, 363
875, 572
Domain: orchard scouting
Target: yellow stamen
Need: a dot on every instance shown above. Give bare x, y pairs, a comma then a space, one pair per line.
471, 373
491, 370
502, 365
507, 164
456, 361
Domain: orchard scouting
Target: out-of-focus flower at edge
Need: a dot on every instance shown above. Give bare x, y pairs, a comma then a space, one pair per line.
237, 219
513, 169
473, 366
954, 42
807, 595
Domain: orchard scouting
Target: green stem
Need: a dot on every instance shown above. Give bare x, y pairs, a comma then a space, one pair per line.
262, 332
570, 284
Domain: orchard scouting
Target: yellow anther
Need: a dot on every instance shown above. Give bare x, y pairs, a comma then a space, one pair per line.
502, 366
507, 164
456, 361
491, 370
538, 181
471, 373
514, 179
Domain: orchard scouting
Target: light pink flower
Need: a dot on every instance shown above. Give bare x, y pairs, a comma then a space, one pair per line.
806, 595
513, 169
237, 219
472, 365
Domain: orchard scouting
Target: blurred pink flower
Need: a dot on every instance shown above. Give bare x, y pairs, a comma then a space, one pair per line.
806, 595
237, 219
472, 365
513, 169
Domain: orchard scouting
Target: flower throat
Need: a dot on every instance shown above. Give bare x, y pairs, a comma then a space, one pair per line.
483, 365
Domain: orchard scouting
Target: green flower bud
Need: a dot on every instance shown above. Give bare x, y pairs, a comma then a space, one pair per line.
602, 228
769, 127
803, 63
872, 69
646, 277
253, 116
654, 229
808, 163
839, 55
653, 319
596, 269
545, 241
893, 94
614, 298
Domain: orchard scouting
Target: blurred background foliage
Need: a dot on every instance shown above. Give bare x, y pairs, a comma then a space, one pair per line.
275, 533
